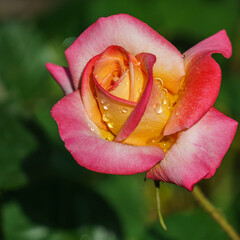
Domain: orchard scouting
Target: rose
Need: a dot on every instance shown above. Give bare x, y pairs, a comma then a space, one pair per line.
135, 104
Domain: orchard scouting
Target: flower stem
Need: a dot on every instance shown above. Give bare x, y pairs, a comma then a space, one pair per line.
157, 187
215, 213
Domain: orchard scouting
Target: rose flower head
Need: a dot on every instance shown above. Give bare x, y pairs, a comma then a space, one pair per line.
135, 104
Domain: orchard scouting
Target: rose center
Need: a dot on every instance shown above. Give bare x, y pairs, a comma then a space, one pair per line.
120, 80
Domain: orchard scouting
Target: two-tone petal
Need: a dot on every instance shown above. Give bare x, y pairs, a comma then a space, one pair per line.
201, 84
197, 152
135, 37
83, 141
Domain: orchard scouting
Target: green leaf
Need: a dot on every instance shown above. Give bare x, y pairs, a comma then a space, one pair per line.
15, 144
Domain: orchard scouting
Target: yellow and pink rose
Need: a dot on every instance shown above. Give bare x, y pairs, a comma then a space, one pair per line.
135, 104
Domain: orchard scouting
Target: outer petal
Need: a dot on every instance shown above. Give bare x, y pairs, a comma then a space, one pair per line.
94, 153
218, 43
135, 37
197, 152
62, 77
201, 84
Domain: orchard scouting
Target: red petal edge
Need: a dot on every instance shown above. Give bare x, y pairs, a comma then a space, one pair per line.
202, 82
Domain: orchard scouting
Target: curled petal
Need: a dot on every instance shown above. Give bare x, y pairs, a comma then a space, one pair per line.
62, 77
218, 43
81, 139
112, 108
149, 129
201, 84
88, 98
135, 37
197, 152
132, 122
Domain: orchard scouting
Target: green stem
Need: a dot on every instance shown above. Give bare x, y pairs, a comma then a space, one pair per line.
215, 213
157, 187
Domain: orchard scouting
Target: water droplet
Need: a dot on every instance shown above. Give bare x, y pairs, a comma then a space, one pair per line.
108, 115
91, 127
164, 101
158, 108
159, 82
110, 125
124, 110
106, 106
183, 56
102, 101
105, 118
165, 91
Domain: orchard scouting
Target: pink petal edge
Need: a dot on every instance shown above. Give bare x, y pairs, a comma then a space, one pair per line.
131, 34
62, 77
198, 151
202, 82
91, 151
217, 43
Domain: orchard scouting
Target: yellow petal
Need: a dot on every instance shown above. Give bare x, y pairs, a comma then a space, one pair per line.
150, 128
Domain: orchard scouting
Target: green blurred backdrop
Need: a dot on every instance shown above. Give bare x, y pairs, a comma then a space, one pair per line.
44, 193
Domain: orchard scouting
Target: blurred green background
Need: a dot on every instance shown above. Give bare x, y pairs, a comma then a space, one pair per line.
44, 193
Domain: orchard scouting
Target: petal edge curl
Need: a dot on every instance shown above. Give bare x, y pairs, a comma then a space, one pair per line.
197, 152
201, 84
62, 76
94, 153
135, 37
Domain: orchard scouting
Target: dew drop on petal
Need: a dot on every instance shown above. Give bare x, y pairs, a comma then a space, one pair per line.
159, 82
164, 101
124, 110
108, 115
105, 118
102, 101
110, 125
158, 108
165, 91
92, 128
106, 106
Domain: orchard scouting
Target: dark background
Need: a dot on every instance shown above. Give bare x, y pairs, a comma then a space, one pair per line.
44, 193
